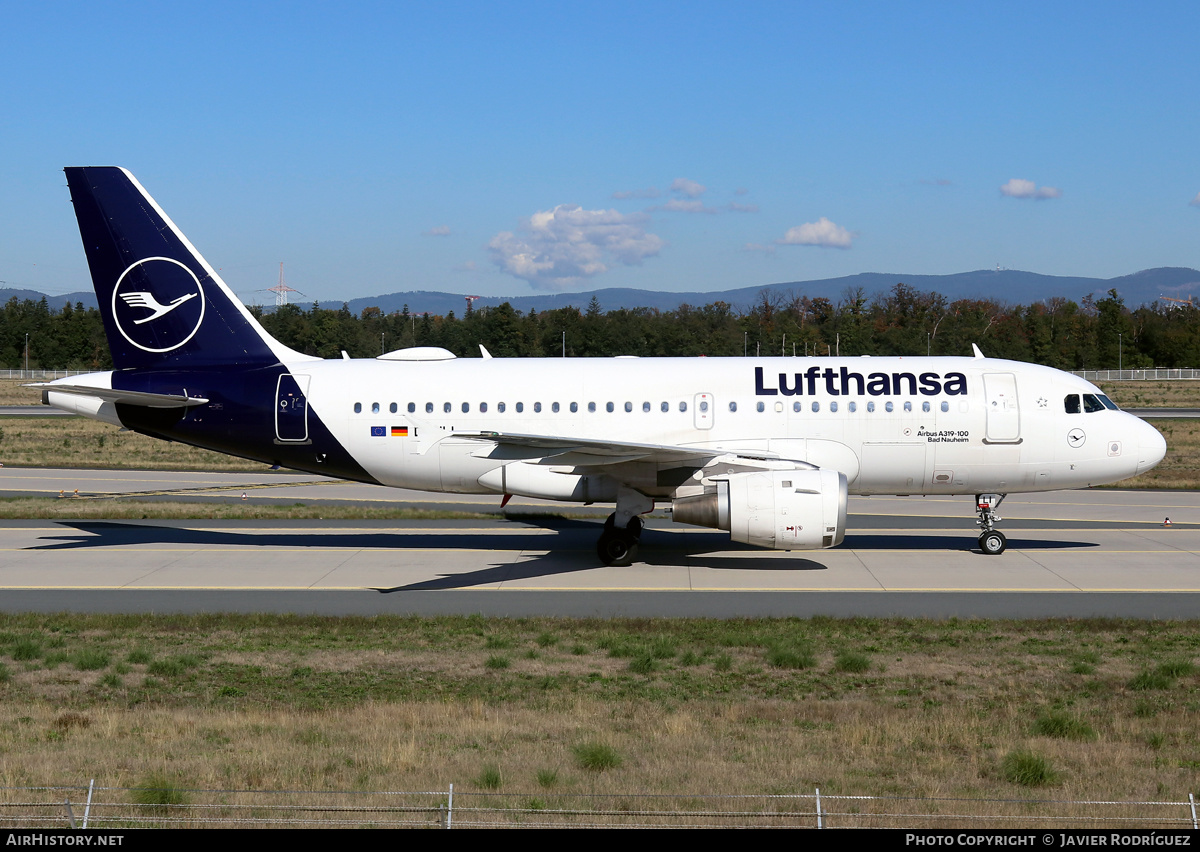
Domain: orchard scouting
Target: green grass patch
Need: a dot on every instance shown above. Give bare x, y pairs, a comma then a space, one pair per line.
1063, 726
1027, 769
791, 656
596, 757
851, 662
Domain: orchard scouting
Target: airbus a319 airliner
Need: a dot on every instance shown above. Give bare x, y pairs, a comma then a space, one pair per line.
766, 448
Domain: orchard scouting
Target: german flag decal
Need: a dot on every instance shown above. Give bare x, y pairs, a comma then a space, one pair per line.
399, 431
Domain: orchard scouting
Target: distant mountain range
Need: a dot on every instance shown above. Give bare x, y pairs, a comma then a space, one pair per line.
1005, 285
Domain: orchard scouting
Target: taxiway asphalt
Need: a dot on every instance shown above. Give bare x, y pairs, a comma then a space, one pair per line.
1102, 552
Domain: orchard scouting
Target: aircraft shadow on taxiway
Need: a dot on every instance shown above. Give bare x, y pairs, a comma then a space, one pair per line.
571, 551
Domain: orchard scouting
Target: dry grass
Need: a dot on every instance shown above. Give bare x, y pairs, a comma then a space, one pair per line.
76, 442
1181, 467
1177, 394
11, 393
223, 508
390, 703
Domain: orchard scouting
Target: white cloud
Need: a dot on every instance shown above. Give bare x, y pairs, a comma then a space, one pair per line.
1195, 202
439, 231
679, 205
820, 233
1021, 188
648, 192
559, 248
690, 188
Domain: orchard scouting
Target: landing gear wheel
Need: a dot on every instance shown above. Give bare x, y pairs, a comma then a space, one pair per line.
992, 542
616, 547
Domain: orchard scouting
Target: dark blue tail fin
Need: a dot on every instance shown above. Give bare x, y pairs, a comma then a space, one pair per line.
164, 307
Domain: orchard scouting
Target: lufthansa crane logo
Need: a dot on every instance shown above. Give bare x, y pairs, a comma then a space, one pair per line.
158, 304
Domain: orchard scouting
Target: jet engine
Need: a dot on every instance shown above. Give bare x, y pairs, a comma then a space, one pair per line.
777, 509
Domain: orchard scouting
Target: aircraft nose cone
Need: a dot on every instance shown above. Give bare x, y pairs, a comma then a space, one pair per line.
1152, 447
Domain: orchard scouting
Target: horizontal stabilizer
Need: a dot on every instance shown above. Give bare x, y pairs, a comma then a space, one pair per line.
124, 397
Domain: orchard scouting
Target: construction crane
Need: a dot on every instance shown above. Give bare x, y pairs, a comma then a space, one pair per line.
1178, 302
470, 302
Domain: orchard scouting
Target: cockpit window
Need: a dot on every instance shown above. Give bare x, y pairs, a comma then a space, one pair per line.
1108, 403
1071, 403
1091, 403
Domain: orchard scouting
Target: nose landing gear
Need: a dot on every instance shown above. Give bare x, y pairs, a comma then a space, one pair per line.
991, 540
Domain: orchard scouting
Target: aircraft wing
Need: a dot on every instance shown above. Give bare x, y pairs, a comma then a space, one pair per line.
146, 400
583, 452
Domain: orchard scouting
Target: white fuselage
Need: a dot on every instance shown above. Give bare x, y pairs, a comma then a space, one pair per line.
1005, 428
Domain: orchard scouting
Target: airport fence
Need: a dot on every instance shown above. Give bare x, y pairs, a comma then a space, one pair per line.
117, 808
1152, 375
40, 375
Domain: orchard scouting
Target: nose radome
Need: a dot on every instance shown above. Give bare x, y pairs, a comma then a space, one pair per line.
1152, 446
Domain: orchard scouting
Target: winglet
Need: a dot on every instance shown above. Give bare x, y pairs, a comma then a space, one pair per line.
975, 349
487, 356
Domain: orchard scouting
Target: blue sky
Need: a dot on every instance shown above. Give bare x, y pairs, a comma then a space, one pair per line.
505, 148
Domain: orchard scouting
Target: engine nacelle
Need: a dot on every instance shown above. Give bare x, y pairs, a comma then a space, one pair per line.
777, 509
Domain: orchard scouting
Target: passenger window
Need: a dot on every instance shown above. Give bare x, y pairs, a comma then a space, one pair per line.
853, 406
832, 407
483, 408
945, 405
797, 407
925, 406
779, 406
554, 407
628, 407
591, 408
537, 408
683, 406
358, 408
446, 407
466, 407
761, 407
429, 408
733, 406
374, 407
1071, 403
500, 406
704, 405
665, 407
520, 407
1091, 404
907, 406
412, 408
392, 408
888, 406
645, 408
609, 407
816, 406
574, 407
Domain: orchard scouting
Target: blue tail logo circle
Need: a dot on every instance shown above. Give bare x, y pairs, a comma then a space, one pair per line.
158, 304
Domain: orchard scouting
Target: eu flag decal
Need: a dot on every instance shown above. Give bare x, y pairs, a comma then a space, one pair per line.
378, 431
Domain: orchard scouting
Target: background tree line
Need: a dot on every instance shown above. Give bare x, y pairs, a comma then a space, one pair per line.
1093, 334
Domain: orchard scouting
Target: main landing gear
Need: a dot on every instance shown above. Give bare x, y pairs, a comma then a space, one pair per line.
991, 541
618, 543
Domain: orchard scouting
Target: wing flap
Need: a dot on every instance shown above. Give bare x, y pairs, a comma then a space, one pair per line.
587, 451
